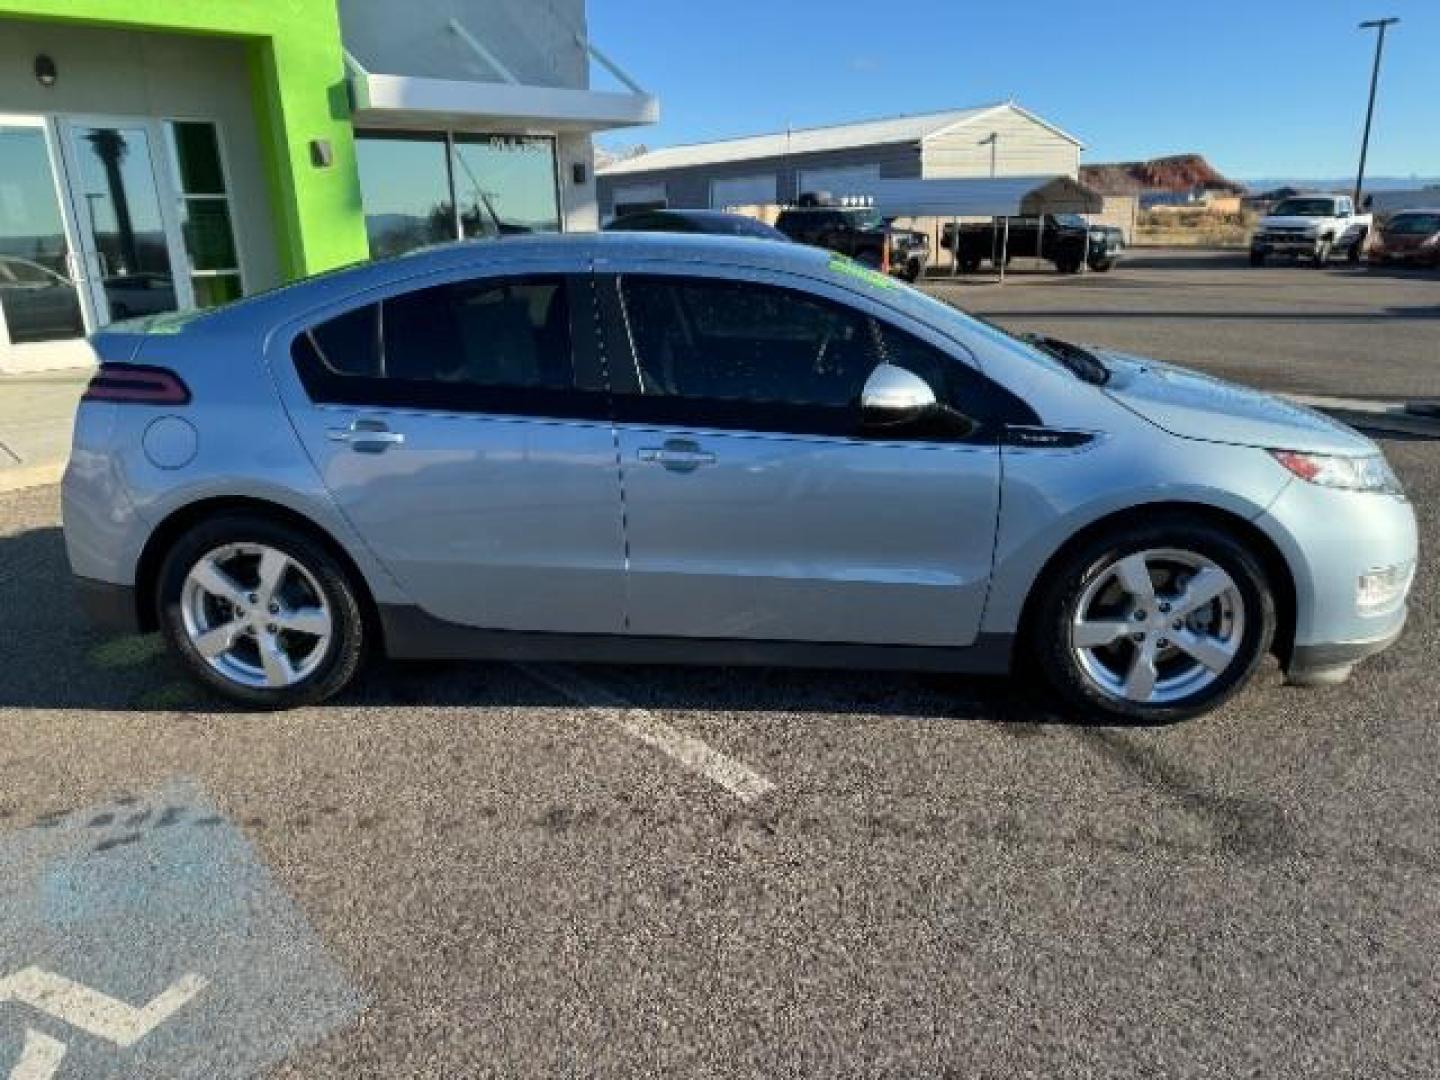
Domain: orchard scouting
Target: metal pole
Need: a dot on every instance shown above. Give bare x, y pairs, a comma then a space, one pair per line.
1381, 25
954, 247
1005, 249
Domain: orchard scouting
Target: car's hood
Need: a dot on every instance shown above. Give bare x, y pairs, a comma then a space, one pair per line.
1196, 406
1292, 222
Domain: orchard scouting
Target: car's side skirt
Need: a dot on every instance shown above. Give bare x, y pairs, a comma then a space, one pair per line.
412, 634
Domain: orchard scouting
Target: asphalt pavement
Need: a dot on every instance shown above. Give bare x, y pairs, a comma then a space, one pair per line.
1345, 331
496, 878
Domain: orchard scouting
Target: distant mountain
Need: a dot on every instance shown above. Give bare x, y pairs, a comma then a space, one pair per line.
1340, 183
1177, 173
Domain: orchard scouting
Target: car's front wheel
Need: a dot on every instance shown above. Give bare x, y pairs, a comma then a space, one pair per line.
260, 612
1153, 623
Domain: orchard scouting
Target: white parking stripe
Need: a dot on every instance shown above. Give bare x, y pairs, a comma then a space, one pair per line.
40, 1059
697, 756
96, 1013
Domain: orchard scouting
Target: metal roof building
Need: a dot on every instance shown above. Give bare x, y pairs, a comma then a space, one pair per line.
994, 140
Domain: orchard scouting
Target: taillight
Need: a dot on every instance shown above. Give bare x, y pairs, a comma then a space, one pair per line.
137, 384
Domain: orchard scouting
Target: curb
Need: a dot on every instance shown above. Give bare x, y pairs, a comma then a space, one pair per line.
22, 477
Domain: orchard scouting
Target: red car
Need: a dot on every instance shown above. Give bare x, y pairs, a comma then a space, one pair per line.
1410, 236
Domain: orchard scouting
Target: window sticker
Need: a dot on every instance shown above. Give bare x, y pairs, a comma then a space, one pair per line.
843, 264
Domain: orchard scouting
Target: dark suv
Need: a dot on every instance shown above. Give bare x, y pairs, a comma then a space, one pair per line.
860, 233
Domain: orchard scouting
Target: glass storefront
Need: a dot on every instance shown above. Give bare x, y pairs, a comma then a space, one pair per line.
424, 189
39, 301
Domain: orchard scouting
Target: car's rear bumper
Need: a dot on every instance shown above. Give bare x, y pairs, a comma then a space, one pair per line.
108, 606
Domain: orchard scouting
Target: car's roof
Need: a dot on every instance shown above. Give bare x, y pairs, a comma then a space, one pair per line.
567, 252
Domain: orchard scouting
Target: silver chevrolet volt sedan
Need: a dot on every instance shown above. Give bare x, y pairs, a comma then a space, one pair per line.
718, 451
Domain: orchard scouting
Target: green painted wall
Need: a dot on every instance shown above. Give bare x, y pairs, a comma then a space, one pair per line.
298, 85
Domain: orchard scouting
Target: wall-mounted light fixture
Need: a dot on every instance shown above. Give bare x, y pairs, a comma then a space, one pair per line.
321, 154
578, 173
45, 71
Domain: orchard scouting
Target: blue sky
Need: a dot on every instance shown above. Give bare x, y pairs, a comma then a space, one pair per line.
1263, 89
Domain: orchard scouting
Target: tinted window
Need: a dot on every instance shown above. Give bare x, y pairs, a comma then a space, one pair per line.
490, 345
489, 333
737, 341
350, 344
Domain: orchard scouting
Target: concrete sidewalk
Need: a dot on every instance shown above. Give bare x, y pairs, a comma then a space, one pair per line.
36, 415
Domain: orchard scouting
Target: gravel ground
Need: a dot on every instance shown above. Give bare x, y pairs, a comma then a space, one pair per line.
1344, 331
944, 880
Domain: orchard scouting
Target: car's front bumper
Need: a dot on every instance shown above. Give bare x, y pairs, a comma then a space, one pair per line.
1300, 245
1331, 539
1309, 660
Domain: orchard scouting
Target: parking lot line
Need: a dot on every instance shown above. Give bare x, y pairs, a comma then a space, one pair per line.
697, 756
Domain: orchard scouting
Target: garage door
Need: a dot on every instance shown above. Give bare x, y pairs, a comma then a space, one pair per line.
743, 191
843, 181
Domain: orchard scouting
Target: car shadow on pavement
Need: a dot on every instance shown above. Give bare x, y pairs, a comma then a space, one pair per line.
54, 660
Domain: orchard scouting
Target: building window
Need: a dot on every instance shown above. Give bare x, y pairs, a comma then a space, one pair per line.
506, 184
405, 188
411, 185
205, 221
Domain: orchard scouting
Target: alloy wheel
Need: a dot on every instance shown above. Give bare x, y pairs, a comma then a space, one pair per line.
1158, 626
256, 615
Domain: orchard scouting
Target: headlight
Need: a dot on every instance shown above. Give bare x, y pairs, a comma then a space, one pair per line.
1371, 473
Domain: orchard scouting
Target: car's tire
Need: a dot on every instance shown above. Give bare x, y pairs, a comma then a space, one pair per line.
1068, 266
1257, 258
302, 650
1321, 257
912, 271
1084, 598
969, 264
1101, 266
1356, 250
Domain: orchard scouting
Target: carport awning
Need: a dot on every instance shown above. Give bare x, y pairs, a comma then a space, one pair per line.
403, 101
1000, 196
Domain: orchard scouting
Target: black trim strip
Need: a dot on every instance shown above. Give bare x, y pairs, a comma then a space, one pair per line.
413, 634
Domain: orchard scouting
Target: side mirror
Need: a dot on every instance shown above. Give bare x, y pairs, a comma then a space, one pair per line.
893, 396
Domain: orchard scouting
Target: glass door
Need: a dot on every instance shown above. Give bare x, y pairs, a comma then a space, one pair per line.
131, 249
43, 317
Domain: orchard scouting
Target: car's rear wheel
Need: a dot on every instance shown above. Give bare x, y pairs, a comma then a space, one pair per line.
260, 612
1257, 258
1153, 623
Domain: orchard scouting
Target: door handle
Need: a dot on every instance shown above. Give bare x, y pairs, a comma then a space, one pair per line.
677, 455
366, 436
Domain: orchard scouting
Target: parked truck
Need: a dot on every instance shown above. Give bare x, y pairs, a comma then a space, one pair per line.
1067, 240
858, 232
1311, 227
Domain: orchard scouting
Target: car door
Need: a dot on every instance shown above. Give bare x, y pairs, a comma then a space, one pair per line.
462, 428
756, 507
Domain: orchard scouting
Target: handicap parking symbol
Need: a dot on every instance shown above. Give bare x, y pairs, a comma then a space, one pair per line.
144, 937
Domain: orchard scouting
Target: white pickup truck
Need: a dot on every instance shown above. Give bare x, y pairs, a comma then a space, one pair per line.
1311, 227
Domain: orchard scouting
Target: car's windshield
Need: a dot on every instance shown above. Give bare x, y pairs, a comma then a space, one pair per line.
1304, 208
744, 226
1414, 224
1073, 221
865, 219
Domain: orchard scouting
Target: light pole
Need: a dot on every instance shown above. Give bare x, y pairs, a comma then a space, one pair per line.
1371, 24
